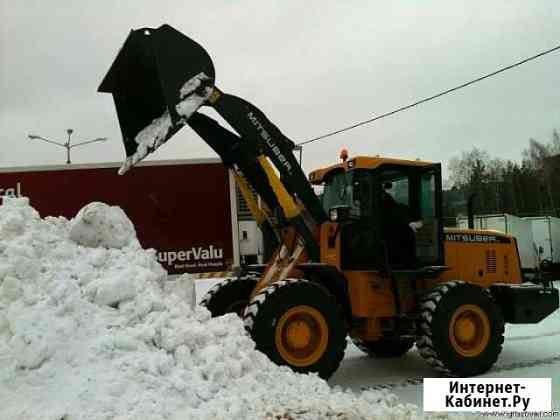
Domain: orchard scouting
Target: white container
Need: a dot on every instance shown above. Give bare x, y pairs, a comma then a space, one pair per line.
546, 234
251, 240
518, 227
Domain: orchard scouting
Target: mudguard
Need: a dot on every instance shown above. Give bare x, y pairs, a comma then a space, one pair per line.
333, 280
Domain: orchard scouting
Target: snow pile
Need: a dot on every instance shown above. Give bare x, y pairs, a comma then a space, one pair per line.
99, 333
100, 225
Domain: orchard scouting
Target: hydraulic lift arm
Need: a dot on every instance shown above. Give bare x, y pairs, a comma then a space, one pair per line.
260, 140
230, 149
159, 80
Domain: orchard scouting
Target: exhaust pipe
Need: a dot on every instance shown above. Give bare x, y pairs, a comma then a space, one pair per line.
470, 210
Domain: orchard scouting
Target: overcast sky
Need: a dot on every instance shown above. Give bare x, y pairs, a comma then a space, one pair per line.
311, 66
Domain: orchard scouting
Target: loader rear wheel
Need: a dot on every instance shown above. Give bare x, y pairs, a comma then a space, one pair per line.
229, 296
299, 324
461, 329
384, 347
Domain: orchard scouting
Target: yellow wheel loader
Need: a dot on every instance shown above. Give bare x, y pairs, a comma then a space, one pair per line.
367, 259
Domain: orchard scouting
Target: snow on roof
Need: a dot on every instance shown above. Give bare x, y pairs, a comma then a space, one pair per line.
163, 162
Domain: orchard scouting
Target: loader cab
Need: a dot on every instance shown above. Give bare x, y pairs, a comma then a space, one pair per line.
375, 201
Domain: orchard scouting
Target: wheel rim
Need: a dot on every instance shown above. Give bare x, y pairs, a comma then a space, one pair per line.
469, 330
301, 335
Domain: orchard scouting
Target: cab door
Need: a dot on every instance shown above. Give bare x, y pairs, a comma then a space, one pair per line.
409, 200
429, 234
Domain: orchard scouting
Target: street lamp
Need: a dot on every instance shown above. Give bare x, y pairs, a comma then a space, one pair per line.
68, 145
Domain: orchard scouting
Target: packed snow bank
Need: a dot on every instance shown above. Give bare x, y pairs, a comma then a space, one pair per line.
100, 333
100, 225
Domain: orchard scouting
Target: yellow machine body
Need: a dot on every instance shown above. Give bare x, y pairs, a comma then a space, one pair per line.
479, 257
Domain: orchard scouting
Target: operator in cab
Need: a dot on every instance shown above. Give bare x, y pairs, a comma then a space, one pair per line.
398, 230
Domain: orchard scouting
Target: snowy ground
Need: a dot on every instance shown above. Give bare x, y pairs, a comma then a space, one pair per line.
530, 351
91, 328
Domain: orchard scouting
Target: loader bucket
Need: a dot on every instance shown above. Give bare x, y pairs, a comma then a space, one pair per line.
158, 80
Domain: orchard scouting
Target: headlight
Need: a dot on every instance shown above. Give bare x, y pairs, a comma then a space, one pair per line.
339, 213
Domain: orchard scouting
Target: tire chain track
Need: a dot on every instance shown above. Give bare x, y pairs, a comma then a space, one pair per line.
532, 337
504, 368
517, 365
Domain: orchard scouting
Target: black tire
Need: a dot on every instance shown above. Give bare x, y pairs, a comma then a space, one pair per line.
267, 309
435, 341
229, 296
384, 347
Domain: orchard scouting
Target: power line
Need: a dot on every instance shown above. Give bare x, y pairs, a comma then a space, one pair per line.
421, 101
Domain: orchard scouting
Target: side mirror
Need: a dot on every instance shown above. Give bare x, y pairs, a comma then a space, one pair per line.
339, 213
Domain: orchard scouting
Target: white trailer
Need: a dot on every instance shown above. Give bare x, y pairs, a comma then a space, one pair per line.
546, 236
518, 227
251, 247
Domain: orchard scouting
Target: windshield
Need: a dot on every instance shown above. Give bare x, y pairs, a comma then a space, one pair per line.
338, 191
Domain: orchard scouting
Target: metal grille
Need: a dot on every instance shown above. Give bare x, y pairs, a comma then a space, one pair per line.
491, 261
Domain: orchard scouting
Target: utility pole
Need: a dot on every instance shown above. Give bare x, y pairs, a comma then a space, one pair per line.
67, 145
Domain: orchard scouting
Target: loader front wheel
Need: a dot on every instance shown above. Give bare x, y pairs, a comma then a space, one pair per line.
384, 348
461, 329
230, 295
299, 324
